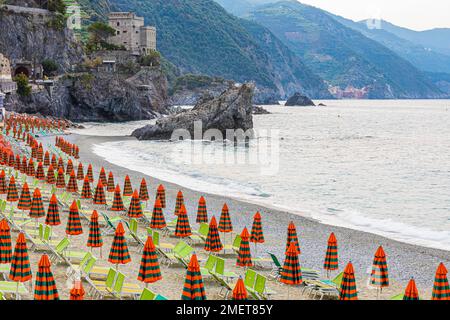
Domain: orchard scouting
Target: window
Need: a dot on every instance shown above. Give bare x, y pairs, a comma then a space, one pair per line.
118, 32
118, 23
124, 31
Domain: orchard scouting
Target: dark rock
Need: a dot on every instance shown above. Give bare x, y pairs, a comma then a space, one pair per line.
322, 105
260, 110
231, 110
299, 100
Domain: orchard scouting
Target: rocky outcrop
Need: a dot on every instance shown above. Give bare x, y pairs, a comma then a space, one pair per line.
231, 110
260, 110
299, 100
100, 97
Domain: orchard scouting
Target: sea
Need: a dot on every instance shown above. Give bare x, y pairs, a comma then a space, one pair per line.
380, 166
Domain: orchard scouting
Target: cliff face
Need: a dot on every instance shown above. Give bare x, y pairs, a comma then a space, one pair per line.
32, 36
100, 97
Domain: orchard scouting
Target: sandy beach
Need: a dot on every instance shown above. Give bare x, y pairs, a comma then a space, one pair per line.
405, 261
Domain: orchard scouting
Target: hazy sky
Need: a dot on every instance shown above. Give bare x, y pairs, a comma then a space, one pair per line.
413, 14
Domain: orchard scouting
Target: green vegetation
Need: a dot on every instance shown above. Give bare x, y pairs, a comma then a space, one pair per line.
99, 33
50, 67
152, 59
56, 6
23, 88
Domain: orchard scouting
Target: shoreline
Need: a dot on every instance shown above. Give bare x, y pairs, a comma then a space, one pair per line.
404, 260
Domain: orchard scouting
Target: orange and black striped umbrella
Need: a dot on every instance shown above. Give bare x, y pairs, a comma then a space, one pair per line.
90, 174
411, 292
127, 188
183, 228
53, 161
77, 292
292, 237
225, 224
149, 271
20, 270
12, 195
11, 161
74, 227
135, 209
441, 289
161, 194
102, 176
202, 212
117, 204
5, 242
143, 191
25, 198
40, 174
179, 202
239, 291
37, 206
257, 235
50, 175
244, 258
80, 172
380, 274
3, 187
193, 285
52, 218
86, 192
24, 165
347, 290
99, 195
30, 169
60, 179
95, 237
158, 221
17, 165
213, 243
111, 186
46, 159
331, 262
119, 249
291, 273
72, 185
69, 166
60, 164
40, 153
45, 285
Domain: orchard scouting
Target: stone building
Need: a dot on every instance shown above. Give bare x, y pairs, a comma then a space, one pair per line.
7, 85
132, 33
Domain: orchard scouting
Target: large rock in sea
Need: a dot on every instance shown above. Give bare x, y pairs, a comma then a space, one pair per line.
231, 110
299, 100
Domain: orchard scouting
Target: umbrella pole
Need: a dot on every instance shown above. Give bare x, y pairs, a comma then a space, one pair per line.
17, 291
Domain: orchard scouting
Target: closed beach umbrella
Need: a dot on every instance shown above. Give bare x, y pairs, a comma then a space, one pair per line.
331, 262
135, 209
149, 271
244, 258
52, 218
37, 206
213, 243
80, 172
25, 198
411, 292
225, 224
291, 273
47, 159
77, 292
99, 195
69, 166
30, 169
127, 188
257, 235
292, 237
60, 179
86, 192
95, 237
102, 176
117, 201
143, 191
45, 286
347, 290
74, 227
12, 195
193, 285
119, 249
183, 228
40, 174
50, 175
54, 163
161, 195
441, 289
3, 187
5, 242
202, 212
90, 174
380, 274
158, 221
40, 153
60, 164
72, 185
24, 165
179, 201
111, 186
239, 291
20, 270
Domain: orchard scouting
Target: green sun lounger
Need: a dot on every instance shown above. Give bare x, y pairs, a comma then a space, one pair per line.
219, 270
147, 295
10, 287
